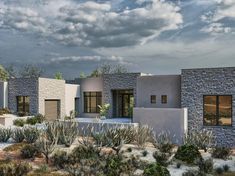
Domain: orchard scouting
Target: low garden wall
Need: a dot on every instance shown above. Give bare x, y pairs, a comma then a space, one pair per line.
173, 120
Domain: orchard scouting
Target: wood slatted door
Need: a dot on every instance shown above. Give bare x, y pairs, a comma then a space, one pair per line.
52, 109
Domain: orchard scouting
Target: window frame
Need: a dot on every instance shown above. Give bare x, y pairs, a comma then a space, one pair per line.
217, 110
23, 104
88, 94
164, 102
153, 99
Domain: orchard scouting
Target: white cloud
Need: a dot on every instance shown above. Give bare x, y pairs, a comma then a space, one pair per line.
21, 18
225, 9
91, 23
94, 58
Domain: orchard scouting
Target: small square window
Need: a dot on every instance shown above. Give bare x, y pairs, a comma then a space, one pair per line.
153, 99
164, 99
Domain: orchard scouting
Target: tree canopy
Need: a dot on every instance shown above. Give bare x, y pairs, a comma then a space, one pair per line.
3, 74
31, 71
58, 75
109, 69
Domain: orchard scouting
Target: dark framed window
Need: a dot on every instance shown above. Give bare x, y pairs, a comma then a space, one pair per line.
217, 110
164, 99
22, 104
153, 99
91, 102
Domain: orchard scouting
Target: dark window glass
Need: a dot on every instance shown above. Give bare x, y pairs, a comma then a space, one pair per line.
217, 110
22, 104
153, 99
164, 99
91, 102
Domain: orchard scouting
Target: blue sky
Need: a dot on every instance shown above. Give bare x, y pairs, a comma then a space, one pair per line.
151, 36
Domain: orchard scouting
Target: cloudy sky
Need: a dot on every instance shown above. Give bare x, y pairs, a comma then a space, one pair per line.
151, 36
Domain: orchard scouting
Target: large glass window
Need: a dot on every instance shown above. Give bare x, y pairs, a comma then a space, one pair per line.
217, 110
22, 104
91, 102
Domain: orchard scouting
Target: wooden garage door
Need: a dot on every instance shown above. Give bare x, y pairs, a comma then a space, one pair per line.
52, 109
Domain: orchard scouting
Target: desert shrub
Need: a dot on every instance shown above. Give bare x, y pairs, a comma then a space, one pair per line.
5, 134
226, 168
188, 154
22, 114
163, 142
18, 135
203, 139
219, 170
45, 145
14, 169
161, 158
117, 165
143, 134
19, 122
29, 151
156, 170
66, 131
60, 159
39, 118
5, 111
145, 153
206, 166
221, 152
14, 147
31, 134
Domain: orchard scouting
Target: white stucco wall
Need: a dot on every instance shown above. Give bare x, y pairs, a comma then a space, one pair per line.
72, 91
3, 94
159, 85
173, 120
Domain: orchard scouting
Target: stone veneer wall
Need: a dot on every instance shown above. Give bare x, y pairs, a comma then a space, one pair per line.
23, 87
115, 82
213, 81
51, 89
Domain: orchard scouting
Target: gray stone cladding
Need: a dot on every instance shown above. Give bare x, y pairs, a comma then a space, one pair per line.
209, 81
23, 87
51, 89
118, 82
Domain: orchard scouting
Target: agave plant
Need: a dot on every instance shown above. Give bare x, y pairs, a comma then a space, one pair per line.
5, 134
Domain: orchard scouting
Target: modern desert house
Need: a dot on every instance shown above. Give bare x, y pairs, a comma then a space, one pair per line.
196, 99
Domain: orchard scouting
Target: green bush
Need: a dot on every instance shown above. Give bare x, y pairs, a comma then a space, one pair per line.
31, 134
161, 158
5, 111
39, 118
188, 153
206, 166
219, 170
22, 114
29, 151
164, 143
14, 169
226, 168
60, 159
19, 122
18, 135
203, 139
221, 152
156, 170
5, 134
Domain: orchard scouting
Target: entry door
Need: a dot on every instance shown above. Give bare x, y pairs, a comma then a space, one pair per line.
127, 105
52, 109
